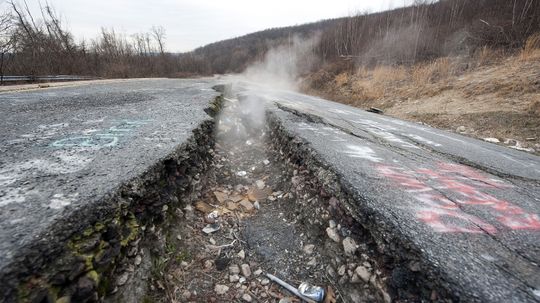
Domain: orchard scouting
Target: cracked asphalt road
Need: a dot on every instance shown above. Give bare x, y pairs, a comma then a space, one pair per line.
469, 208
65, 149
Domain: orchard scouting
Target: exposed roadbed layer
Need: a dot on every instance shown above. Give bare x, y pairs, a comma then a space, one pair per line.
85, 171
460, 218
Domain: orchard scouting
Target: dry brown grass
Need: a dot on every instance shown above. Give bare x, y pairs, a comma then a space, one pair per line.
437, 70
531, 51
387, 74
341, 79
486, 56
492, 93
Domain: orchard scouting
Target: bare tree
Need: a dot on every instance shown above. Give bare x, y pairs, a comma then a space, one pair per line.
158, 33
6, 40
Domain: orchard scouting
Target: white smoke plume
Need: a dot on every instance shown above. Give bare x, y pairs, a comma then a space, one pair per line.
283, 65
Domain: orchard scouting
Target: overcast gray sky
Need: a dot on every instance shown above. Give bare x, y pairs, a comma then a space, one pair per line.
193, 23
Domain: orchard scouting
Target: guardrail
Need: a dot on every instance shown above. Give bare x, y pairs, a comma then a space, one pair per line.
44, 78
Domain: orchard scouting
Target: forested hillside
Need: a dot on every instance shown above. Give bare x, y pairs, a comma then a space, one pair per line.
38, 43
408, 35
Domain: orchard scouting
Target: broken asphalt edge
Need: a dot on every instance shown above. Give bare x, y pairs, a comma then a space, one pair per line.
80, 257
395, 253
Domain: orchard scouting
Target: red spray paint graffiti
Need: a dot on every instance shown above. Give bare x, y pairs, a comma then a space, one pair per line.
445, 215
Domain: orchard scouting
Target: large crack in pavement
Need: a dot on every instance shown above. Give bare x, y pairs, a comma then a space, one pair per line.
262, 214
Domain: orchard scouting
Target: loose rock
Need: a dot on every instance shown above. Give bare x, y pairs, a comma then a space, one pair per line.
234, 269
308, 249
122, 279
221, 289
260, 184
246, 205
332, 234
363, 273
186, 295
349, 246
234, 278
246, 271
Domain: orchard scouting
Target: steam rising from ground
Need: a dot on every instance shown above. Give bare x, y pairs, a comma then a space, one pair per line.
243, 118
283, 65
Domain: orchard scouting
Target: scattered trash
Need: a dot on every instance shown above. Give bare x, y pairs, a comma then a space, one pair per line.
375, 110
241, 173
256, 205
315, 293
492, 140
266, 162
211, 228
249, 143
307, 288
212, 217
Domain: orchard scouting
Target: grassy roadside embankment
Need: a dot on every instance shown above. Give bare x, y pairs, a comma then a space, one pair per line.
487, 95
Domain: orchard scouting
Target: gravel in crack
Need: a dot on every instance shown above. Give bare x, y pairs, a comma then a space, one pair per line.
245, 226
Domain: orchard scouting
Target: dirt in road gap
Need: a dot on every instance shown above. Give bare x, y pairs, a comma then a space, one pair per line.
249, 223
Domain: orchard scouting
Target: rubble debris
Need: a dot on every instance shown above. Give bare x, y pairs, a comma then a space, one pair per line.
248, 206
211, 228
308, 249
349, 246
246, 270
221, 289
203, 207
333, 234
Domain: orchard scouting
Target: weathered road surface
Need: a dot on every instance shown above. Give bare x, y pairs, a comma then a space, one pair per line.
84, 169
469, 210
66, 151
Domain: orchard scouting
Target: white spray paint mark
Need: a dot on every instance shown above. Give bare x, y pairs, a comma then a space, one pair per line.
59, 201
363, 152
17, 220
392, 138
488, 257
63, 162
305, 126
341, 112
11, 195
7, 178
423, 140
374, 125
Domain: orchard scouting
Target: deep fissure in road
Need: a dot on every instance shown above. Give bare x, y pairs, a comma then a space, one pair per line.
265, 211
208, 222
